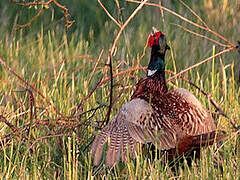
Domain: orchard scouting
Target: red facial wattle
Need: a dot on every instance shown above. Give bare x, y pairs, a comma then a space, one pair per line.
154, 39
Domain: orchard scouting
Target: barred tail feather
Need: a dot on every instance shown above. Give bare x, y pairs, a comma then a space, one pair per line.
97, 146
208, 138
199, 141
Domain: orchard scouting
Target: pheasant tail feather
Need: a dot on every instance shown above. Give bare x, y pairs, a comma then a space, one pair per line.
199, 141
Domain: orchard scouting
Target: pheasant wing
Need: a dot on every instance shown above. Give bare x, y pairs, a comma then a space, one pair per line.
131, 125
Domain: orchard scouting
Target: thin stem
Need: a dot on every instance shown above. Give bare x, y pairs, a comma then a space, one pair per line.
187, 20
109, 15
201, 62
4, 64
194, 13
200, 35
111, 91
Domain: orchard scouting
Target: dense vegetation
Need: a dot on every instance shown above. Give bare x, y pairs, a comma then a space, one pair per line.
40, 136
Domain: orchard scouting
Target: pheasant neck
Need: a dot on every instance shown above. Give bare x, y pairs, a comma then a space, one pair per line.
156, 71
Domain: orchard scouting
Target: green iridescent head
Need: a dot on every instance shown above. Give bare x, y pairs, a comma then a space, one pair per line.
157, 41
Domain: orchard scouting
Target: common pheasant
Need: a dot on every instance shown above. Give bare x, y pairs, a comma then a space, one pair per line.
174, 120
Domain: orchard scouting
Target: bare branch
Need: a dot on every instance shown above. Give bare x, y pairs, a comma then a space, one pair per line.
201, 62
43, 5
194, 13
4, 64
80, 105
111, 90
19, 26
200, 35
187, 20
125, 25
68, 23
109, 15
95, 67
11, 126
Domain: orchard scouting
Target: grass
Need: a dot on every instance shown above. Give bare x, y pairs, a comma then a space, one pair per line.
56, 146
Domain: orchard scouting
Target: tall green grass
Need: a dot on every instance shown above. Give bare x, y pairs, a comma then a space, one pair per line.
58, 147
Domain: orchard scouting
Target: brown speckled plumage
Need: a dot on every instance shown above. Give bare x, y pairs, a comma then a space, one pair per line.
172, 119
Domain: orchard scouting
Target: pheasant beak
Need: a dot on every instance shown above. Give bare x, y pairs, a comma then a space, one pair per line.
154, 30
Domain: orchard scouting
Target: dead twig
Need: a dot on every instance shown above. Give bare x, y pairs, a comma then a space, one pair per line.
32, 103
122, 29
201, 62
121, 73
111, 90
4, 64
187, 20
143, 54
112, 50
19, 26
32, 111
200, 35
194, 13
68, 23
80, 105
43, 4
125, 25
11, 126
109, 15
119, 95
95, 67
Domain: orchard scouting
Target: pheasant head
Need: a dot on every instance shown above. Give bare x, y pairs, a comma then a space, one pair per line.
157, 41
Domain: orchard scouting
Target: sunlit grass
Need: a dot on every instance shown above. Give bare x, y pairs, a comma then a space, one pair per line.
57, 145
